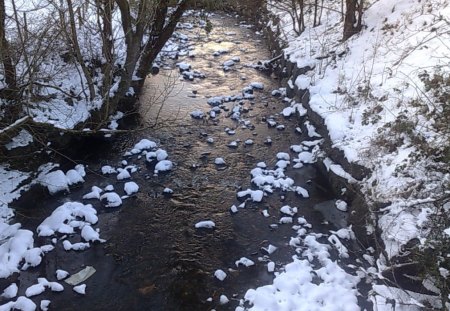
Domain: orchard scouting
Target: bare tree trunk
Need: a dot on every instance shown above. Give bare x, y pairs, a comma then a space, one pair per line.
76, 48
159, 35
10, 71
104, 9
316, 4
353, 18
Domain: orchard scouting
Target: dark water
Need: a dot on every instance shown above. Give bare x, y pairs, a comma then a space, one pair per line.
154, 258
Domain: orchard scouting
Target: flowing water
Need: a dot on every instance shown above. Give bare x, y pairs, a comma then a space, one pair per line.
154, 258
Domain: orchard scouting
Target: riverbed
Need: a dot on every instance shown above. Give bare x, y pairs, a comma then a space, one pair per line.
154, 258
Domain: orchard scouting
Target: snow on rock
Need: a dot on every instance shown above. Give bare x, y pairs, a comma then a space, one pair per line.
63, 219
270, 249
80, 289
39, 288
229, 63
61, 274
283, 156
197, 114
311, 130
215, 101
10, 291
94, 194
90, 235
233, 144
291, 211
286, 220
58, 181
257, 85
45, 304
305, 157
245, 262
206, 224
54, 181
80, 246
130, 187
111, 199
167, 191
342, 250
303, 82
220, 274
233, 209
302, 191
22, 303
163, 166
223, 300
183, 66
287, 112
73, 177
123, 174
106, 169
341, 205
338, 170
270, 266
16, 249
144, 144
109, 188
219, 161
256, 195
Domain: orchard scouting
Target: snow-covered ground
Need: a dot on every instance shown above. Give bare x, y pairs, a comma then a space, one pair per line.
376, 96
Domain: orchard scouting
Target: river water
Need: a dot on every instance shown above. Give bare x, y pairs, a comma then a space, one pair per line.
154, 258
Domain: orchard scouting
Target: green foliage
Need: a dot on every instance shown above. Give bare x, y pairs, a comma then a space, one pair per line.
208, 27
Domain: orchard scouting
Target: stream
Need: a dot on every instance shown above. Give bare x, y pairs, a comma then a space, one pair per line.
154, 258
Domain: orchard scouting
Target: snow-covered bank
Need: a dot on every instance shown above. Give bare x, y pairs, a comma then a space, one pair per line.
383, 98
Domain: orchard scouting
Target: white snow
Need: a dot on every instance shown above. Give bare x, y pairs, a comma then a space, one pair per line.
106, 169
270, 249
90, 235
24, 138
94, 194
10, 291
80, 246
256, 195
220, 274
223, 299
22, 303
80, 289
62, 219
61, 274
111, 199
197, 114
163, 166
44, 305
144, 144
123, 174
341, 205
54, 181
207, 224
291, 211
130, 187
219, 161
40, 287
245, 262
